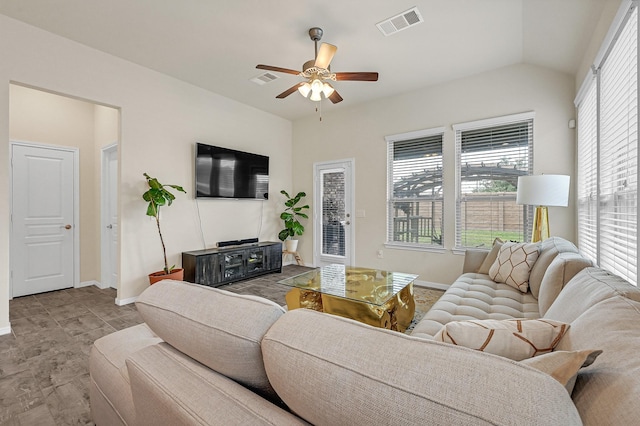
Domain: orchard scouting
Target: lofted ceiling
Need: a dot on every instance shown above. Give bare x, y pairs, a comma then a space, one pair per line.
216, 44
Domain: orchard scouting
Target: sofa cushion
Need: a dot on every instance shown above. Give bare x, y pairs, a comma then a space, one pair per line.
475, 296
560, 271
514, 339
110, 389
332, 370
563, 365
170, 388
605, 313
491, 257
220, 329
549, 249
513, 264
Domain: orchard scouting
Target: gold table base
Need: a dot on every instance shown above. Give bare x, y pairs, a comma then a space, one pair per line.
396, 314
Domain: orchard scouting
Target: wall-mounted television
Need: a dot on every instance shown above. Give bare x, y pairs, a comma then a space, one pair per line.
227, 173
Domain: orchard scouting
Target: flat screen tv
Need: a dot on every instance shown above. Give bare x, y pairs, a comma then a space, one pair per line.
227, 173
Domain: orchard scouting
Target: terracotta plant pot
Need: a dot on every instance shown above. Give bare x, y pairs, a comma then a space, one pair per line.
177, 274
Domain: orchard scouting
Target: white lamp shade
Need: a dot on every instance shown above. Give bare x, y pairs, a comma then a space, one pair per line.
543, 190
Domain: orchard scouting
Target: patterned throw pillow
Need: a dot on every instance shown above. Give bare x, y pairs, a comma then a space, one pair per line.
516, 339
564, 365
513, 264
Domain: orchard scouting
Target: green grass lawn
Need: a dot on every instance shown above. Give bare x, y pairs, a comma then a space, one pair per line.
482, 238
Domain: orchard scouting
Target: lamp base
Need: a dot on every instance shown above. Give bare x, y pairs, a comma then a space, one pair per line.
540, 230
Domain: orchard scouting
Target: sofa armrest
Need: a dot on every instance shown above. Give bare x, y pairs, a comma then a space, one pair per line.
473, 258
170, 388
328, 369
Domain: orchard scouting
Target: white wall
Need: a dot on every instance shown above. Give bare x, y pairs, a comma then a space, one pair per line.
359, 132
161, 119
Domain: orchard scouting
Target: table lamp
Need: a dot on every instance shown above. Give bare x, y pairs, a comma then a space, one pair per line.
542, 191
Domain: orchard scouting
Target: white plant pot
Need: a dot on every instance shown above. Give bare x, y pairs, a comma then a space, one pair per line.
291, 245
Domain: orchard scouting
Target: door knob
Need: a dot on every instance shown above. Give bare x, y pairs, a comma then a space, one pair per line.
109, 226
67, 227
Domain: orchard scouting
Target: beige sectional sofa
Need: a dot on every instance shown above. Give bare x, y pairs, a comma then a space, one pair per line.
206, 356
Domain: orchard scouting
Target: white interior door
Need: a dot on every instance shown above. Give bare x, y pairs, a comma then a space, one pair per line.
42, 219
333, 213
109, 217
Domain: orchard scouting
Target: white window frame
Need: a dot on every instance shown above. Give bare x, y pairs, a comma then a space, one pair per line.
390, 140
486, 124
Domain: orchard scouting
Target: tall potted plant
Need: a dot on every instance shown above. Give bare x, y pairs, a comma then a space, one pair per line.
157, 195
291, 215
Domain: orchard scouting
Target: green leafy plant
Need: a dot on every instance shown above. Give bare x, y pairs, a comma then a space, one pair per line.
157, 195
291, 215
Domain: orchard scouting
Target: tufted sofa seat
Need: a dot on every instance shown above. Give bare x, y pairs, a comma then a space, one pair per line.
474, 296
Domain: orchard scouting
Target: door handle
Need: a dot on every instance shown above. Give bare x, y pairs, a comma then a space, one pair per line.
109, 226
65, 226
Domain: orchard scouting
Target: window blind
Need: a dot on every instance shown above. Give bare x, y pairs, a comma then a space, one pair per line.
618, 179
587, 185
415, 198
490, 157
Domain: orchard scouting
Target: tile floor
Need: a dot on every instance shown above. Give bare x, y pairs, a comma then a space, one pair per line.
44, 371
44, 368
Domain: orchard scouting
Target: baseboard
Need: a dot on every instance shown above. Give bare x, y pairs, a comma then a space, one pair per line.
5, 330
427, 284
89, 283
122, 302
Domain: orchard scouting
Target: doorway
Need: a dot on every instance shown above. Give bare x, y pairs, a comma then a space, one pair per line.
109, 217
61, 122
44, 202
334, 231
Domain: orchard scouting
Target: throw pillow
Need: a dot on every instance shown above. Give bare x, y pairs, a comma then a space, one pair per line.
516, 339
491, 257
563, 365
513, 264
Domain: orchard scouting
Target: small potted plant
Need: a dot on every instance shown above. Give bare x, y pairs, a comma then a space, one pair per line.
291, 216
157, 195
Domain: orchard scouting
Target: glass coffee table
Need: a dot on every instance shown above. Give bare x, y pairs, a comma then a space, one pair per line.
379, 298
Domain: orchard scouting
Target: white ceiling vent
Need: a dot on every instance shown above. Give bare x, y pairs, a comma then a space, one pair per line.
400, 22
265, 78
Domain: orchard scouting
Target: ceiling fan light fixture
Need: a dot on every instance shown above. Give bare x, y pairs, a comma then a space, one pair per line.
304, 89
327, 90
316, 90
315, 96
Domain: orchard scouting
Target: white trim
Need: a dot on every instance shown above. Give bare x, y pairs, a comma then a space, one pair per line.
415, 134
76, 201
495, 121
5, 330
122, 302
89, 283
414, 247
428, 284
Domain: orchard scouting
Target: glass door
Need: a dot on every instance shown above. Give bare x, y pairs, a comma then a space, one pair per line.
333, 226
255, 260
232, 266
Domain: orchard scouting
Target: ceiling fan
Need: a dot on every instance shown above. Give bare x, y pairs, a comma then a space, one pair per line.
318, 73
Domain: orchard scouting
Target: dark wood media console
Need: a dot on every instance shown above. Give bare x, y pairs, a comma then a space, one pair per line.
219, 266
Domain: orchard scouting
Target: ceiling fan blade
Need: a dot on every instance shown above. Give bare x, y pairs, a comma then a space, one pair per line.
325, 55
277, 69
335, 97
289, 91
357, 76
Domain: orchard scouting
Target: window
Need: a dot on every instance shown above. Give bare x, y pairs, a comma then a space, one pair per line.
608, 152
490, 155
414, 194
